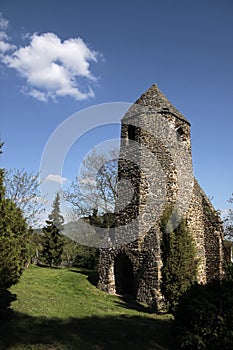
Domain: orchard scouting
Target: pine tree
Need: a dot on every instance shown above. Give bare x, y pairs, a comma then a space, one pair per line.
14, 238
52, 240
179, 269
55, 215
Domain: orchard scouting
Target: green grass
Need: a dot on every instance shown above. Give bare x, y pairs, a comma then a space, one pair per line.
59, 309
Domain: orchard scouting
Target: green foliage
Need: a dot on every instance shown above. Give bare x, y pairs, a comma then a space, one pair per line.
86, 257
203, 319
52, 244
36, 245
69, 252
61, 309
14, 241
179, 260
78, 255
52, 241
228, 271
2, 187
6, 298
55, 215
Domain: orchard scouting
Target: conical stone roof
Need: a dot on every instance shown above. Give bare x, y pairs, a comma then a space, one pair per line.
154, 100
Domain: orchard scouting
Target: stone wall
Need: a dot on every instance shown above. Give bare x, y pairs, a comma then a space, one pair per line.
155, 169
146, 263
207, 230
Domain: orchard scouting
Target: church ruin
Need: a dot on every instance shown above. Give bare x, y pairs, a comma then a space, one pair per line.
154, 170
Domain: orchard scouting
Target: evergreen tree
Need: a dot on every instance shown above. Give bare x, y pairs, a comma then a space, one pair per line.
14, 238
179, 269
52, 244
52, 240
55, 215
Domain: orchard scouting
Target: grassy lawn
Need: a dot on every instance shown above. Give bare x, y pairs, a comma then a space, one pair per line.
61, 309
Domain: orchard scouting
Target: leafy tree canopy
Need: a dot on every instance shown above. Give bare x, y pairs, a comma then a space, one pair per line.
14, 240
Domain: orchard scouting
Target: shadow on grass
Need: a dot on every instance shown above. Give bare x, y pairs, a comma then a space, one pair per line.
128, 302
21, 331
92, 275
44, 266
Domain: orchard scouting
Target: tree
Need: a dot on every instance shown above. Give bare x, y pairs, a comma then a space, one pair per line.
179, 268
96, 186
52, 240
55, 215
52, 244
69, 251
78, 255
229, 222
36, 245
22, 188
14, 239
203, 319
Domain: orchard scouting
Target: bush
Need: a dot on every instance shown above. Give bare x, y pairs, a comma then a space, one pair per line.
203, 319
14, 241
78, 255
86, 257
229, 271
5, 302
179, 268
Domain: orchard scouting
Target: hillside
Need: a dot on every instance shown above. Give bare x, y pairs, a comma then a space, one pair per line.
59, 309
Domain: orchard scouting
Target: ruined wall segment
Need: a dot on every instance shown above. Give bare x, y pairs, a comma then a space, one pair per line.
155, 170
204, 222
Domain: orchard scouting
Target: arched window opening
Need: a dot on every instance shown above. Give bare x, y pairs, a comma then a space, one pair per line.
180, 134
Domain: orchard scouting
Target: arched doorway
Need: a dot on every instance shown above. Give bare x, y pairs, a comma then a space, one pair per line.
124, 276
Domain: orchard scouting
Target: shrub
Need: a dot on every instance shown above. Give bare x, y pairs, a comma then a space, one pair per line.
5, 302
52, 240
203, 319
229, 271
179, 268
13, 245
86, 257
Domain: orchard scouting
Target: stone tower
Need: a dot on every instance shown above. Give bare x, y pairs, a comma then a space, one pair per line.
155, 170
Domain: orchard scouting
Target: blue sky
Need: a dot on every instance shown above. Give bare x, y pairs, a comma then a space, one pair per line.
112, 51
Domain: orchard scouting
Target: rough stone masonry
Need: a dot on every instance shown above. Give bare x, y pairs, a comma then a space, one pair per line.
155, 170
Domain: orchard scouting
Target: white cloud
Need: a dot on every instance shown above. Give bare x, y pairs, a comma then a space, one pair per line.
3, 36
56, 178
39, 95
4, 39
4, 46
53, 68
3, 22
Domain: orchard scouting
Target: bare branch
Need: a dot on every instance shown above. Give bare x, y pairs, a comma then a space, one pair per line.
22, 188
95, 187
